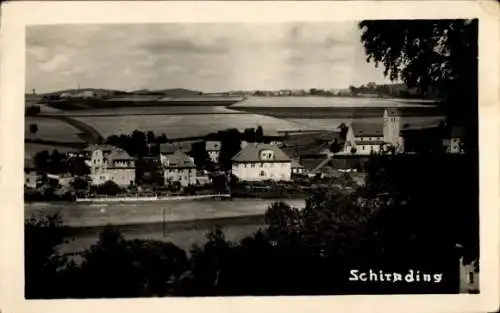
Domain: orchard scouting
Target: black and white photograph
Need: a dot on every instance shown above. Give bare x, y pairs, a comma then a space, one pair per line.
229, 159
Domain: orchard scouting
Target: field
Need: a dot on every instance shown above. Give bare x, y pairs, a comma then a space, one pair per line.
272, 113
413, 122
51, 130
151, 110
328, 102
180, 126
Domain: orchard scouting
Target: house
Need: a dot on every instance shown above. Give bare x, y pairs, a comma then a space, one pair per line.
259, 161
453, 142
213, 150
179, 167
115, 165
297, 168
31, 176
167, 149
89, 150
364, 138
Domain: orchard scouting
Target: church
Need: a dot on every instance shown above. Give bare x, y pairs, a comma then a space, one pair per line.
364, 138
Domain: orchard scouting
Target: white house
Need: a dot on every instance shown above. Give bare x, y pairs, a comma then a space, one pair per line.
213, 150
179, 167
115, 165
364, 138
259, 161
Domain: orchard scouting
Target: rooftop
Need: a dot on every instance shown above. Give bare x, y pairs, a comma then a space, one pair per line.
252, 153
118, 154
364, 129
104, 147
179, 160
213, 145
296, 164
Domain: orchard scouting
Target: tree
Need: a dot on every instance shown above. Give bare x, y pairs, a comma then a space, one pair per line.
343, 131
249, 135
200, 154
42, 261
109, 188
33, 129
335, 147
230, 145
441, 54
80, 183
438, 54
259, 134
115, 267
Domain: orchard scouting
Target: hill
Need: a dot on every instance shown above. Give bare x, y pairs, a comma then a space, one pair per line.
175, 92
98, 91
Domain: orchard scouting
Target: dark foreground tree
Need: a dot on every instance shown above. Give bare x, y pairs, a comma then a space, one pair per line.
115, 267
42, 261
438, 54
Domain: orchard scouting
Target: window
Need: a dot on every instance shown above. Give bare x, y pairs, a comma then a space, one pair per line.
252, 165
471, 277
261, 165
244, 165
262, 173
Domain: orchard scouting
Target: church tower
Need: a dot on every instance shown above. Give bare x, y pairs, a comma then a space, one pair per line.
392, 126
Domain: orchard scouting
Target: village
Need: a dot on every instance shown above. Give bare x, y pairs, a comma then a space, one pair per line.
286, 165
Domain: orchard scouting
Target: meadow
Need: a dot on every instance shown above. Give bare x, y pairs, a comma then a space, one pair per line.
51, 130
180, 126
148, 110
407, 122
332, 102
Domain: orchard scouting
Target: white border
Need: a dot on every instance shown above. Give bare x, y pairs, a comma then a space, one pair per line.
16, 15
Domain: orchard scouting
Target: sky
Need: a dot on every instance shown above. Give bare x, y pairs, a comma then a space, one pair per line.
203, 57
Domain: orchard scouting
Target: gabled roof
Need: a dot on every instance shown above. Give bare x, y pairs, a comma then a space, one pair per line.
369, 142
296, 164
213, 145
363, 129
251, 153
118, 155
179, 160
184, 146
168, 148
103, 147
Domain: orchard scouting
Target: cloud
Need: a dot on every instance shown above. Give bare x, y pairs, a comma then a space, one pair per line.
206, 57
53, 64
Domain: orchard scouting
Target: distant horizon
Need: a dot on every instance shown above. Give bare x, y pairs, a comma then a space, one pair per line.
203, 57
30, 91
